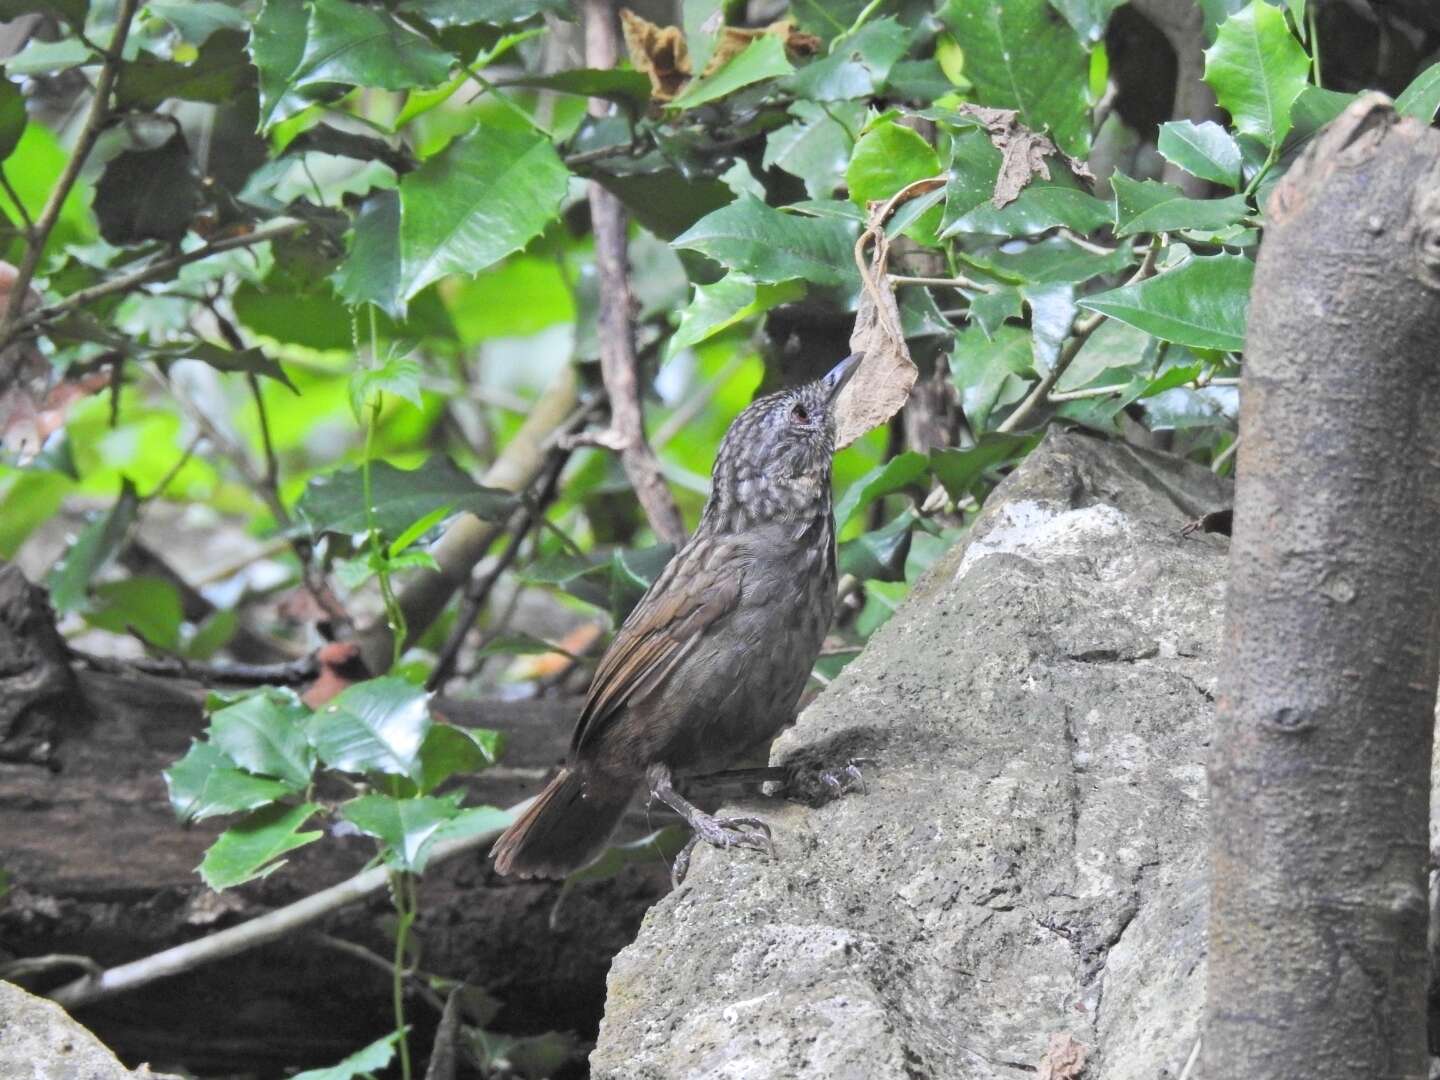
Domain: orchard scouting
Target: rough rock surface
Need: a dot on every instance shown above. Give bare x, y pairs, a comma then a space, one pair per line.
1027, 862
39, 1041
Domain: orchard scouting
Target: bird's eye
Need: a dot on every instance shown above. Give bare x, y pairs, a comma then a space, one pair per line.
798, 413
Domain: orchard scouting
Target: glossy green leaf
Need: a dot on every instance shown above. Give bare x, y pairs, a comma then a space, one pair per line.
1421, 99
219, 73
858, 66
334, 502
991, 371
373, 726
12, 117
1201, 303
251, 849
1052, 311
770, 246
1049, 260
1257, 70
371, 272
764, 58
616, 84
205, 783
887, 158
961, 470
485, 195
491, 12
731, 300
72, 11
1021, 55
898, 473
1148, 206
69, 580
817, 146
197, 20
1205, 150
632, 571
1042, 205
880, 555
1087, 17
402, 825
277, 44
41, 57
364, 46
363, 1062
251, 361
449, 750
147, 606
1113, 352
265, 733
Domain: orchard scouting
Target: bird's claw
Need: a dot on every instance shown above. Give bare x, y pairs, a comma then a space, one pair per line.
833, 783
727, 832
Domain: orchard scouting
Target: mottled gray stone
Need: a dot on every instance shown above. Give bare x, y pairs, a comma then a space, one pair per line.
39, 1041
1028, 858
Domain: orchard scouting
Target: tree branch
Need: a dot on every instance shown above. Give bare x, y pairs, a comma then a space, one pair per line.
79, 155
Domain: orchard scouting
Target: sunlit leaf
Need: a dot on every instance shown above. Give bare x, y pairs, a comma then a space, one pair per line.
373, 726
265, 733
334, 502
402, 825
1201, 303
363, 1062
898, 473
206, 783
1205, 150
1257, 70
251, 849
764, 58
765, 244
1148, 206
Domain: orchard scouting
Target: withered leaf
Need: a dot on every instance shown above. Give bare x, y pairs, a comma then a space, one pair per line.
1023, 152
661, 52
1064, 1058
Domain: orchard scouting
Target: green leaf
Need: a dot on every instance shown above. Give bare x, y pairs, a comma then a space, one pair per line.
197, 20
886, 159
1257, 70
1020, 55
1114, 351
1148, 206
990, 371
1421, 98
1205, 150
898, 473
374, 726
1088, 17
45, 57
334, 502
147, 606
664, 201
732, 299
368, 1060
1052, 311
72, 11
1050, 260
761, 242
448, 750
764, 58
491, 12
615, 84
265, 733
277, 44
402, 825
148, 194
880, 555
248, 850
212, 635
370, 274
398, 376
251, 361
1201, 303
220, 72
632, 571
206, 783
587, 580
1042, 205
12, 117
487, 194
817, 146
69, 580
364, 46
961, 470
858, 66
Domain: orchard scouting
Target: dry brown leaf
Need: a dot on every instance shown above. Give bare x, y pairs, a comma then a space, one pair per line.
881, 387
658, 51
735, 39
1023, 152
1064, 1058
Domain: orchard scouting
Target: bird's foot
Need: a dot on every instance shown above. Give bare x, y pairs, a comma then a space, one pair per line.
816, 786
722, 832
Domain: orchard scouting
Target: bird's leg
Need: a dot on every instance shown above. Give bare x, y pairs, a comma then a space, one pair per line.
718, 832
797, 781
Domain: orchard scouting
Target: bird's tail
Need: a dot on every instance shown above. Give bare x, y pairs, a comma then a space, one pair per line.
564, 828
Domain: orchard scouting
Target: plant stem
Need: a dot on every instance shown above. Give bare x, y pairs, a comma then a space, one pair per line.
402, 892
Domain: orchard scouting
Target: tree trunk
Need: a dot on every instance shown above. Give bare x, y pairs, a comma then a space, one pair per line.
1320, 771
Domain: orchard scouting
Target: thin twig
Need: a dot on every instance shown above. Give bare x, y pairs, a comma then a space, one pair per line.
36, 965
619, 365
1119, 388
20, 209
79, 156
1225, 455
478, 592
375, 960
1079, 334
269, 927
939, 282
288, 673
146, 274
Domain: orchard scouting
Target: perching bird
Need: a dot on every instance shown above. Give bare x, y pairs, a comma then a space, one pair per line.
712, 662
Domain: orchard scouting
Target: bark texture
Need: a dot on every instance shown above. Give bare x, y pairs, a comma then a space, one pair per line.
1320, 773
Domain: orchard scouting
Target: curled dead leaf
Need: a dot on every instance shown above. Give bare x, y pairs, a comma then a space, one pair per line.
662, 54
1023, 152
1064, 1058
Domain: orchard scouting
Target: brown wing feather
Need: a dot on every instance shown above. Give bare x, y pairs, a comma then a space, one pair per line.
670, 619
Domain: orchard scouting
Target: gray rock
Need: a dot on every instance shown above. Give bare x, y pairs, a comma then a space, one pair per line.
1027, 862
39, 1041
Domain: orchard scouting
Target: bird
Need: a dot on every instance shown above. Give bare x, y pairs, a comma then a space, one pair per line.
710, 664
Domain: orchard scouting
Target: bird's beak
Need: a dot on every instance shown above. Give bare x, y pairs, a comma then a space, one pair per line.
835, 380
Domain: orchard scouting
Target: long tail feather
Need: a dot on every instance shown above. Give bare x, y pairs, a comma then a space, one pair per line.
564, 828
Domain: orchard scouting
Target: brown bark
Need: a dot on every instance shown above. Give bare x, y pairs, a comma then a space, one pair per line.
1321, 768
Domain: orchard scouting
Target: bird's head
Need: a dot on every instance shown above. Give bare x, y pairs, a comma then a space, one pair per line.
775, 459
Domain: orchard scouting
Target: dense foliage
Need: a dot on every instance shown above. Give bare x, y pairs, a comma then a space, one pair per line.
305, 268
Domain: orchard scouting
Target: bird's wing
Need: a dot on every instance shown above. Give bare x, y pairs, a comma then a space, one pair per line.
699, 588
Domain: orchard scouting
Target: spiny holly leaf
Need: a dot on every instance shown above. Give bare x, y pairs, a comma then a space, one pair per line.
364, 1062
335, 502
251, 849
1042, 204
265, 734
364, 46
205, 783
1205, 150
1201, 303
732, 299
1257, 70
760, 241
485, 195
817, 146
374, 726
1148, 206
404, 826
764, 58
991, 370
